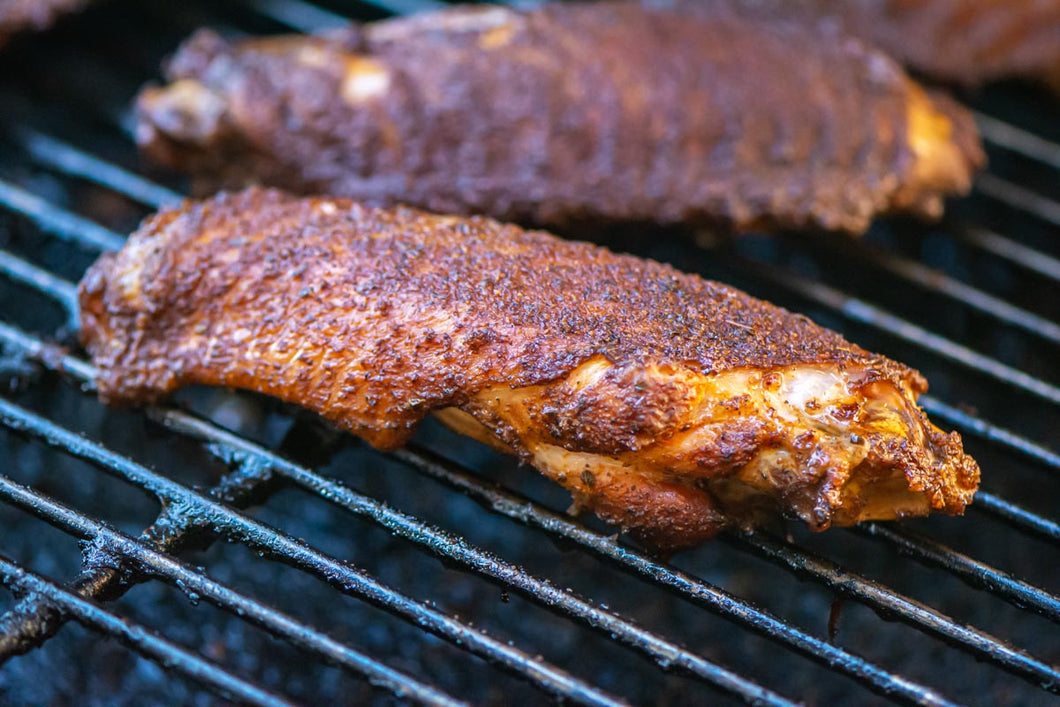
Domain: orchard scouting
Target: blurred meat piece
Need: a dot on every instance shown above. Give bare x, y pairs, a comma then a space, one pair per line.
960, 41
572, 113
26, 15
667, 404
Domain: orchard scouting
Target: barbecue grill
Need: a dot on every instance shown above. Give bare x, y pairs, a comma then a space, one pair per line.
241, 551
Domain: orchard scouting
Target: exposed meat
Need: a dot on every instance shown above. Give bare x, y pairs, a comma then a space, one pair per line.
667, 404
25, 15
569, 114
963, 41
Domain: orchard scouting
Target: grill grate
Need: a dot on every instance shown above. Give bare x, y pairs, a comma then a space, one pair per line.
1015, 365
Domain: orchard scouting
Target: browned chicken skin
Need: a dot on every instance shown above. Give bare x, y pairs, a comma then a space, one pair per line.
568, 114
667, 404
962, 41
27, 15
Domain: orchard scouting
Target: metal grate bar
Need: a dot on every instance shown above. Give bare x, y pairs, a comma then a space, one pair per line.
889, 603
861, 311
1012, 251
56, 221
298, 15
407, 7
1018, 197
161, 651
59, 155
62, 291
973, 572
110, 543
351, 580
1017, 517
1018, 140
50, 355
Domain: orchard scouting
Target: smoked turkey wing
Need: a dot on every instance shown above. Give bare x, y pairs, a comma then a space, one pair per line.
667, 404
574, 113
25, 15
962, 41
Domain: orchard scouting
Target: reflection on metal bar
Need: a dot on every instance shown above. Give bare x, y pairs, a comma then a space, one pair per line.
298, 14
1013, 251
407, 7
1018, 140
63, 292
49, 355
1019, 197
66, 158
56, 221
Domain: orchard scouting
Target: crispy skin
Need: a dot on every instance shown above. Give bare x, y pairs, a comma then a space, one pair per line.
961, 41
26, 15
665, 403
570, 114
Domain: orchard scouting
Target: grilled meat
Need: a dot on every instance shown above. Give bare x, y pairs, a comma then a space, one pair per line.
25, 15
569, 114
667, 404
962, 41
